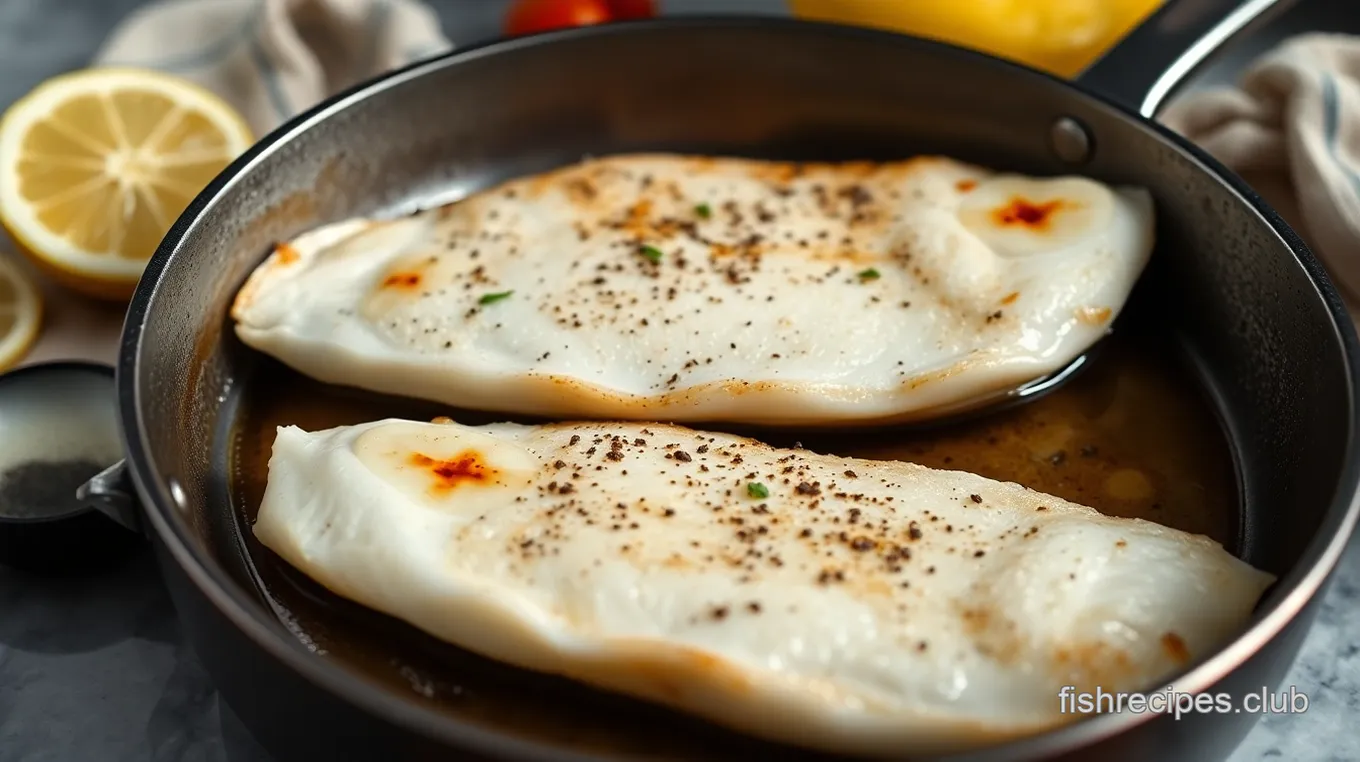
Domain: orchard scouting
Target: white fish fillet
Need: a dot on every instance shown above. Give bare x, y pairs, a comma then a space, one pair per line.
852, 605
654, 287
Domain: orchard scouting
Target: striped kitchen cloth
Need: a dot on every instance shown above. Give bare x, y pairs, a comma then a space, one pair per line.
1291, 128
272, 59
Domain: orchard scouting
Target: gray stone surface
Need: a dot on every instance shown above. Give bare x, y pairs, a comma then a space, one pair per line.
94, 669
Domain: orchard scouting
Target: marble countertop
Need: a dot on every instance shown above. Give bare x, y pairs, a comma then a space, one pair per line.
93, 669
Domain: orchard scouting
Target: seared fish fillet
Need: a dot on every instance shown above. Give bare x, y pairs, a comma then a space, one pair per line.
852, 605
653, 287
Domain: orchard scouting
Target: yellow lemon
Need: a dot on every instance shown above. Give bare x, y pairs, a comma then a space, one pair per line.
20, 313
1059, 36
97, 164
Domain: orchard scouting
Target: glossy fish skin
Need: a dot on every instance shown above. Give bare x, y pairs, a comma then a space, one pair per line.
658, 287
857, 606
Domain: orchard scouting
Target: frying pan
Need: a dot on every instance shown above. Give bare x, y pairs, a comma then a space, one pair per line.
1237, 290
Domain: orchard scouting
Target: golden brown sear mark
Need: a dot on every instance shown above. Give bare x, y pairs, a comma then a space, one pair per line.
963, 186
637, 217
1094, 315
1095, 663
581, 190
1024, 213
779, 173
1175, 648
402, 280
287, 254
467, 467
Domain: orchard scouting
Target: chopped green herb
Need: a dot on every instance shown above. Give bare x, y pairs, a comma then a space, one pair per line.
493, 298
870, 274
703, 210
757, 490
651, 252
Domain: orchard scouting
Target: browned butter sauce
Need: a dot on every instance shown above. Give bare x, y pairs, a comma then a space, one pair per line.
1131, 436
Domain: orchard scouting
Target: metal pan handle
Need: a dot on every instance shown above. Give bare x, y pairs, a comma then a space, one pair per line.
1153, 60
110, 492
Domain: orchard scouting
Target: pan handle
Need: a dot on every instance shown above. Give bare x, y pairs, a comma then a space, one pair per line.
1149, 64
110, 492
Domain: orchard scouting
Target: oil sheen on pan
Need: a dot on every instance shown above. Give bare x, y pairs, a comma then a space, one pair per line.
699, 289
1089, 442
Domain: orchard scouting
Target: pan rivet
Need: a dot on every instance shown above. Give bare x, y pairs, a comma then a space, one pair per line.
177, 494
1070, 140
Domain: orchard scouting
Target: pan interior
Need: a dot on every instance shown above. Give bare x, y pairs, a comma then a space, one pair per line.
1228, 351
1092, 441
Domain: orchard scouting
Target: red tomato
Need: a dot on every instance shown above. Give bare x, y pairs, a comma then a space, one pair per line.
529, 16
631, 9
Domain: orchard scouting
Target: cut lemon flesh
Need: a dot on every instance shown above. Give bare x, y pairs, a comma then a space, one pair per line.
96, 165
20, 313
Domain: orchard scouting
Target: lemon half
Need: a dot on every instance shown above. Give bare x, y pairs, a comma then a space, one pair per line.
97, 164
20, 313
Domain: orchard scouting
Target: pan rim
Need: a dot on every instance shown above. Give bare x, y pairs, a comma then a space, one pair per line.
1301, 586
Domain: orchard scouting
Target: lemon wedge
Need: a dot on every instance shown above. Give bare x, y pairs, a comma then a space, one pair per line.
97, 164
20, 313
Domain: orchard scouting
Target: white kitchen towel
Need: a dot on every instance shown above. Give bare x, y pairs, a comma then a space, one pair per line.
274, 58
1291, 128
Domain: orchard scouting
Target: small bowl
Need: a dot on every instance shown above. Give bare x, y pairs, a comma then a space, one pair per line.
58, 428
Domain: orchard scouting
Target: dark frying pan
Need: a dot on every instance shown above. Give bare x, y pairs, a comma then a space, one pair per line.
1231, 286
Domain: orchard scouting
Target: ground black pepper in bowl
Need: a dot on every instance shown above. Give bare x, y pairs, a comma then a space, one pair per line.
43, 489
